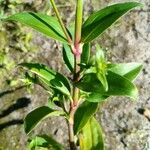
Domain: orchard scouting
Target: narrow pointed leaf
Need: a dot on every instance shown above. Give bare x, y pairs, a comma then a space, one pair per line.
37, 115
91, 137
102, 78
40, 22
44, 141
128, 70
50, 77
101, 67
85, 56
83, 114
118, 85
68, 57
99, 21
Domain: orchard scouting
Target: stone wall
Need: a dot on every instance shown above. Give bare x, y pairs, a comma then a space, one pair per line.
126, 123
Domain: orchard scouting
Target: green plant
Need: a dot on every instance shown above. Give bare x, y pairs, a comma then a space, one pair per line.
93, 78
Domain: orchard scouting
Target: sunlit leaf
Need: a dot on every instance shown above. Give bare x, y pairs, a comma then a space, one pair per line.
37, 115
91, 137
40, 22
128, 70
102, 78
83, 114
44, 141
50, 77
56, 99
101, 67
99, 21
96, 97
118, 85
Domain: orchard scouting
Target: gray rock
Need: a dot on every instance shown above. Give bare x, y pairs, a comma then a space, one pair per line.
125, 126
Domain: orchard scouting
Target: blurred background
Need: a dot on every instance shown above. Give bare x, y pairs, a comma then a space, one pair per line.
126, 123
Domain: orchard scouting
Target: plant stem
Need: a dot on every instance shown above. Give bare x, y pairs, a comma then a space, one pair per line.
61, 22
75, 96
78, 22
74, 104
77, 50
70, 129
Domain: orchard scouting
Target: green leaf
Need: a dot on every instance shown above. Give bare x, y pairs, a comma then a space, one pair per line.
56, 99
37, 115
96, 97
102, 78
99, 21
85, 56
44, 141
118, 85
68, 57
128, 70
83, 114
50, 77
90, 83
101, 67
91, 137
42, 23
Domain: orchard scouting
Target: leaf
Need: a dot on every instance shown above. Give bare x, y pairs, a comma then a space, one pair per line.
83, 114
50, 77
128, 70
96, 97
44, 141
91, 137
37, 115
99, 21
56, 99
101, 67
42, 23
85, 56
68, 57
118, 85
90, 83
102, 78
